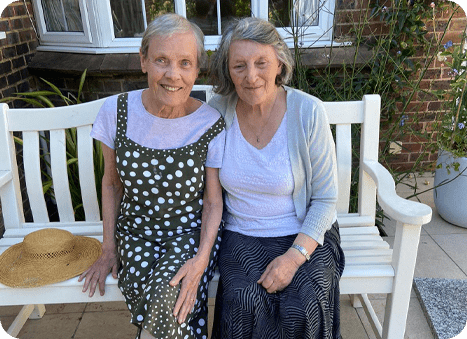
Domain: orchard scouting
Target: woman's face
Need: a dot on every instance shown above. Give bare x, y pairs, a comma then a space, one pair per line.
172, 68
253, 68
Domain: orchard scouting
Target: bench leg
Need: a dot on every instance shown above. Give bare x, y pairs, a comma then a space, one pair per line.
37, 312
404, 259
355, 301
28, 311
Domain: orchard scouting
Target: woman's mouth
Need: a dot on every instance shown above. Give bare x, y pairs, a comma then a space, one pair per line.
170, 88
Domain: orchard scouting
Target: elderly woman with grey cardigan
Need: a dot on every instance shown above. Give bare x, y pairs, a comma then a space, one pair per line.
280, 259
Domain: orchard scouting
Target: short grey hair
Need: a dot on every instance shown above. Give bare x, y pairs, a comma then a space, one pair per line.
256, 30
171, 23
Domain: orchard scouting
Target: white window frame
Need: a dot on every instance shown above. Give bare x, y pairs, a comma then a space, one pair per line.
63, 38
98, 32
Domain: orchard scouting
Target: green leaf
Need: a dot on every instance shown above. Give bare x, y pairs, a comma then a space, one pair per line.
81, 84
36, 94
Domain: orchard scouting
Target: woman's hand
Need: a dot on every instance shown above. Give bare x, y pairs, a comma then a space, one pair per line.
189, 274
280, 272
97, 273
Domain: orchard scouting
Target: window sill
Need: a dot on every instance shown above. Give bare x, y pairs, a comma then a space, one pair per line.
129, 63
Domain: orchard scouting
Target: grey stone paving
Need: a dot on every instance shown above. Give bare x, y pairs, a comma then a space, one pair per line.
444, 302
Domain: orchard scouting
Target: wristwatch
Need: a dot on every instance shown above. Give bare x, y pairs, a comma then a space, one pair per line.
302, 250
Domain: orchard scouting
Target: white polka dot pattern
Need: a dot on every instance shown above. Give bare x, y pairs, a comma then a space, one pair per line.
158, 228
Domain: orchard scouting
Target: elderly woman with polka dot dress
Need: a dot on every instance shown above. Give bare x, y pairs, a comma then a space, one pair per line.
161, 196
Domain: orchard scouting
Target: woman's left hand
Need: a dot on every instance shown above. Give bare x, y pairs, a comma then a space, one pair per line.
189, 274
280, 272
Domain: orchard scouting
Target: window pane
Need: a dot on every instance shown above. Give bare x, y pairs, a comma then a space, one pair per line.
297, 13
157, 7
128, 19
62, 15
205, 13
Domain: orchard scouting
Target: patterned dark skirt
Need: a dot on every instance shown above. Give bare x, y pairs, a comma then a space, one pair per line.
308, 308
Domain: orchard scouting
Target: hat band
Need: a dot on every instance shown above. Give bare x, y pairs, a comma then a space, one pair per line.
50, 255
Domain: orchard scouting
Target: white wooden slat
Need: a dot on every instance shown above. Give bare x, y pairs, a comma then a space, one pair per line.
69, 291
361, 237
369, 147
80, 228
372, 260
369, 252
86, 173
371, 315
349, 113
5, 176
32, 171
20, 320
60, 175
359, 230
10, 189
354, 219
361, 245
54, 118
344, 166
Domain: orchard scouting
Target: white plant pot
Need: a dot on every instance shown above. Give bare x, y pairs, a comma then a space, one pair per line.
451, 199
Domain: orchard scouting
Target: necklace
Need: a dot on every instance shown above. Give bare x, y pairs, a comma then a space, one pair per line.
269, 118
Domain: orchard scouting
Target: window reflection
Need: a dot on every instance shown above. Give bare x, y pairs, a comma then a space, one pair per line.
128, 19
62, 15
294, 13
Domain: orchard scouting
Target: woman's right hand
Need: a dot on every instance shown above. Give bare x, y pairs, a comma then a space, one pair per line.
97, 273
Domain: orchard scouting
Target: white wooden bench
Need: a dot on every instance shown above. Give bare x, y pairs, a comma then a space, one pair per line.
371, 265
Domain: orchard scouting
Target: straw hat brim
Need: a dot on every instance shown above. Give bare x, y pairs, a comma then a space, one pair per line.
18, 271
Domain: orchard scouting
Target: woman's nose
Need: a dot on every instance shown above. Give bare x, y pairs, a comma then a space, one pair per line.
172, 72
251, 74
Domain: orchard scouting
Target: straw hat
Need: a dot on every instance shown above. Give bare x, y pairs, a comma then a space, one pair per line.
47, 256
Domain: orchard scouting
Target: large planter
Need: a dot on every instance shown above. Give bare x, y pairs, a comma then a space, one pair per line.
451, 199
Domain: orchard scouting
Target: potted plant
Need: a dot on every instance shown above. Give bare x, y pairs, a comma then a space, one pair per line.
450, 193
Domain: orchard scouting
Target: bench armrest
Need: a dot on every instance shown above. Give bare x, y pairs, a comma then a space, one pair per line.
5, 176
403, 210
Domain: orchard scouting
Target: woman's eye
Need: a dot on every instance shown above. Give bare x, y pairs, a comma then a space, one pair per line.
186, 63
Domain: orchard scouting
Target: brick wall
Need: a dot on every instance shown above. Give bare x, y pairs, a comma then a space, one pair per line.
424, 108
16, 50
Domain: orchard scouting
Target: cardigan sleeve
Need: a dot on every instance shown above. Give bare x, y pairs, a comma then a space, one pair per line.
321, 173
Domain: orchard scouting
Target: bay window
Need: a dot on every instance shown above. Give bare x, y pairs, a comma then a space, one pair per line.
116, 26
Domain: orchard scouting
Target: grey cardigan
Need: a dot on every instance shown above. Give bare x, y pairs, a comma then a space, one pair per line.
312, 155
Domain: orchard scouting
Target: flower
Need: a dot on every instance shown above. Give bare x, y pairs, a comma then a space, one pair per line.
452, 131
432, 5
448, 44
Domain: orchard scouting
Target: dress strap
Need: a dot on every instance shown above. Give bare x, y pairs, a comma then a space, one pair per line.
122, 115
213, 131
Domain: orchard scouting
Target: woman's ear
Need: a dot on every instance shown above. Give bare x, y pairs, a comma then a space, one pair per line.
142, 61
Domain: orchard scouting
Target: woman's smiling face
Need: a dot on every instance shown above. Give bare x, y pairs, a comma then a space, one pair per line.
172, 67
253, 68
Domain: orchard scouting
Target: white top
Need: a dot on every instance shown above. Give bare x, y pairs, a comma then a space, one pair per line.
154, 132
259, 185
312, 155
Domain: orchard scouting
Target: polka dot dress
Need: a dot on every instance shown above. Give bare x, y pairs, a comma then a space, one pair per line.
158, 228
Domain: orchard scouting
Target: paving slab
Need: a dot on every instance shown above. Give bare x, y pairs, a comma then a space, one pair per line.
444, 302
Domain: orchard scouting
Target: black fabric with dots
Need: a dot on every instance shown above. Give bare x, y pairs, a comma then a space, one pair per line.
158, 228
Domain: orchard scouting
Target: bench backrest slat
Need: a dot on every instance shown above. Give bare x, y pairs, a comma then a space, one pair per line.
56, 120
86, 174
59, 171
32, 172
344, 165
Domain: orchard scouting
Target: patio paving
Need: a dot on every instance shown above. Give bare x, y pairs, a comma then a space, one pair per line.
441, 255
